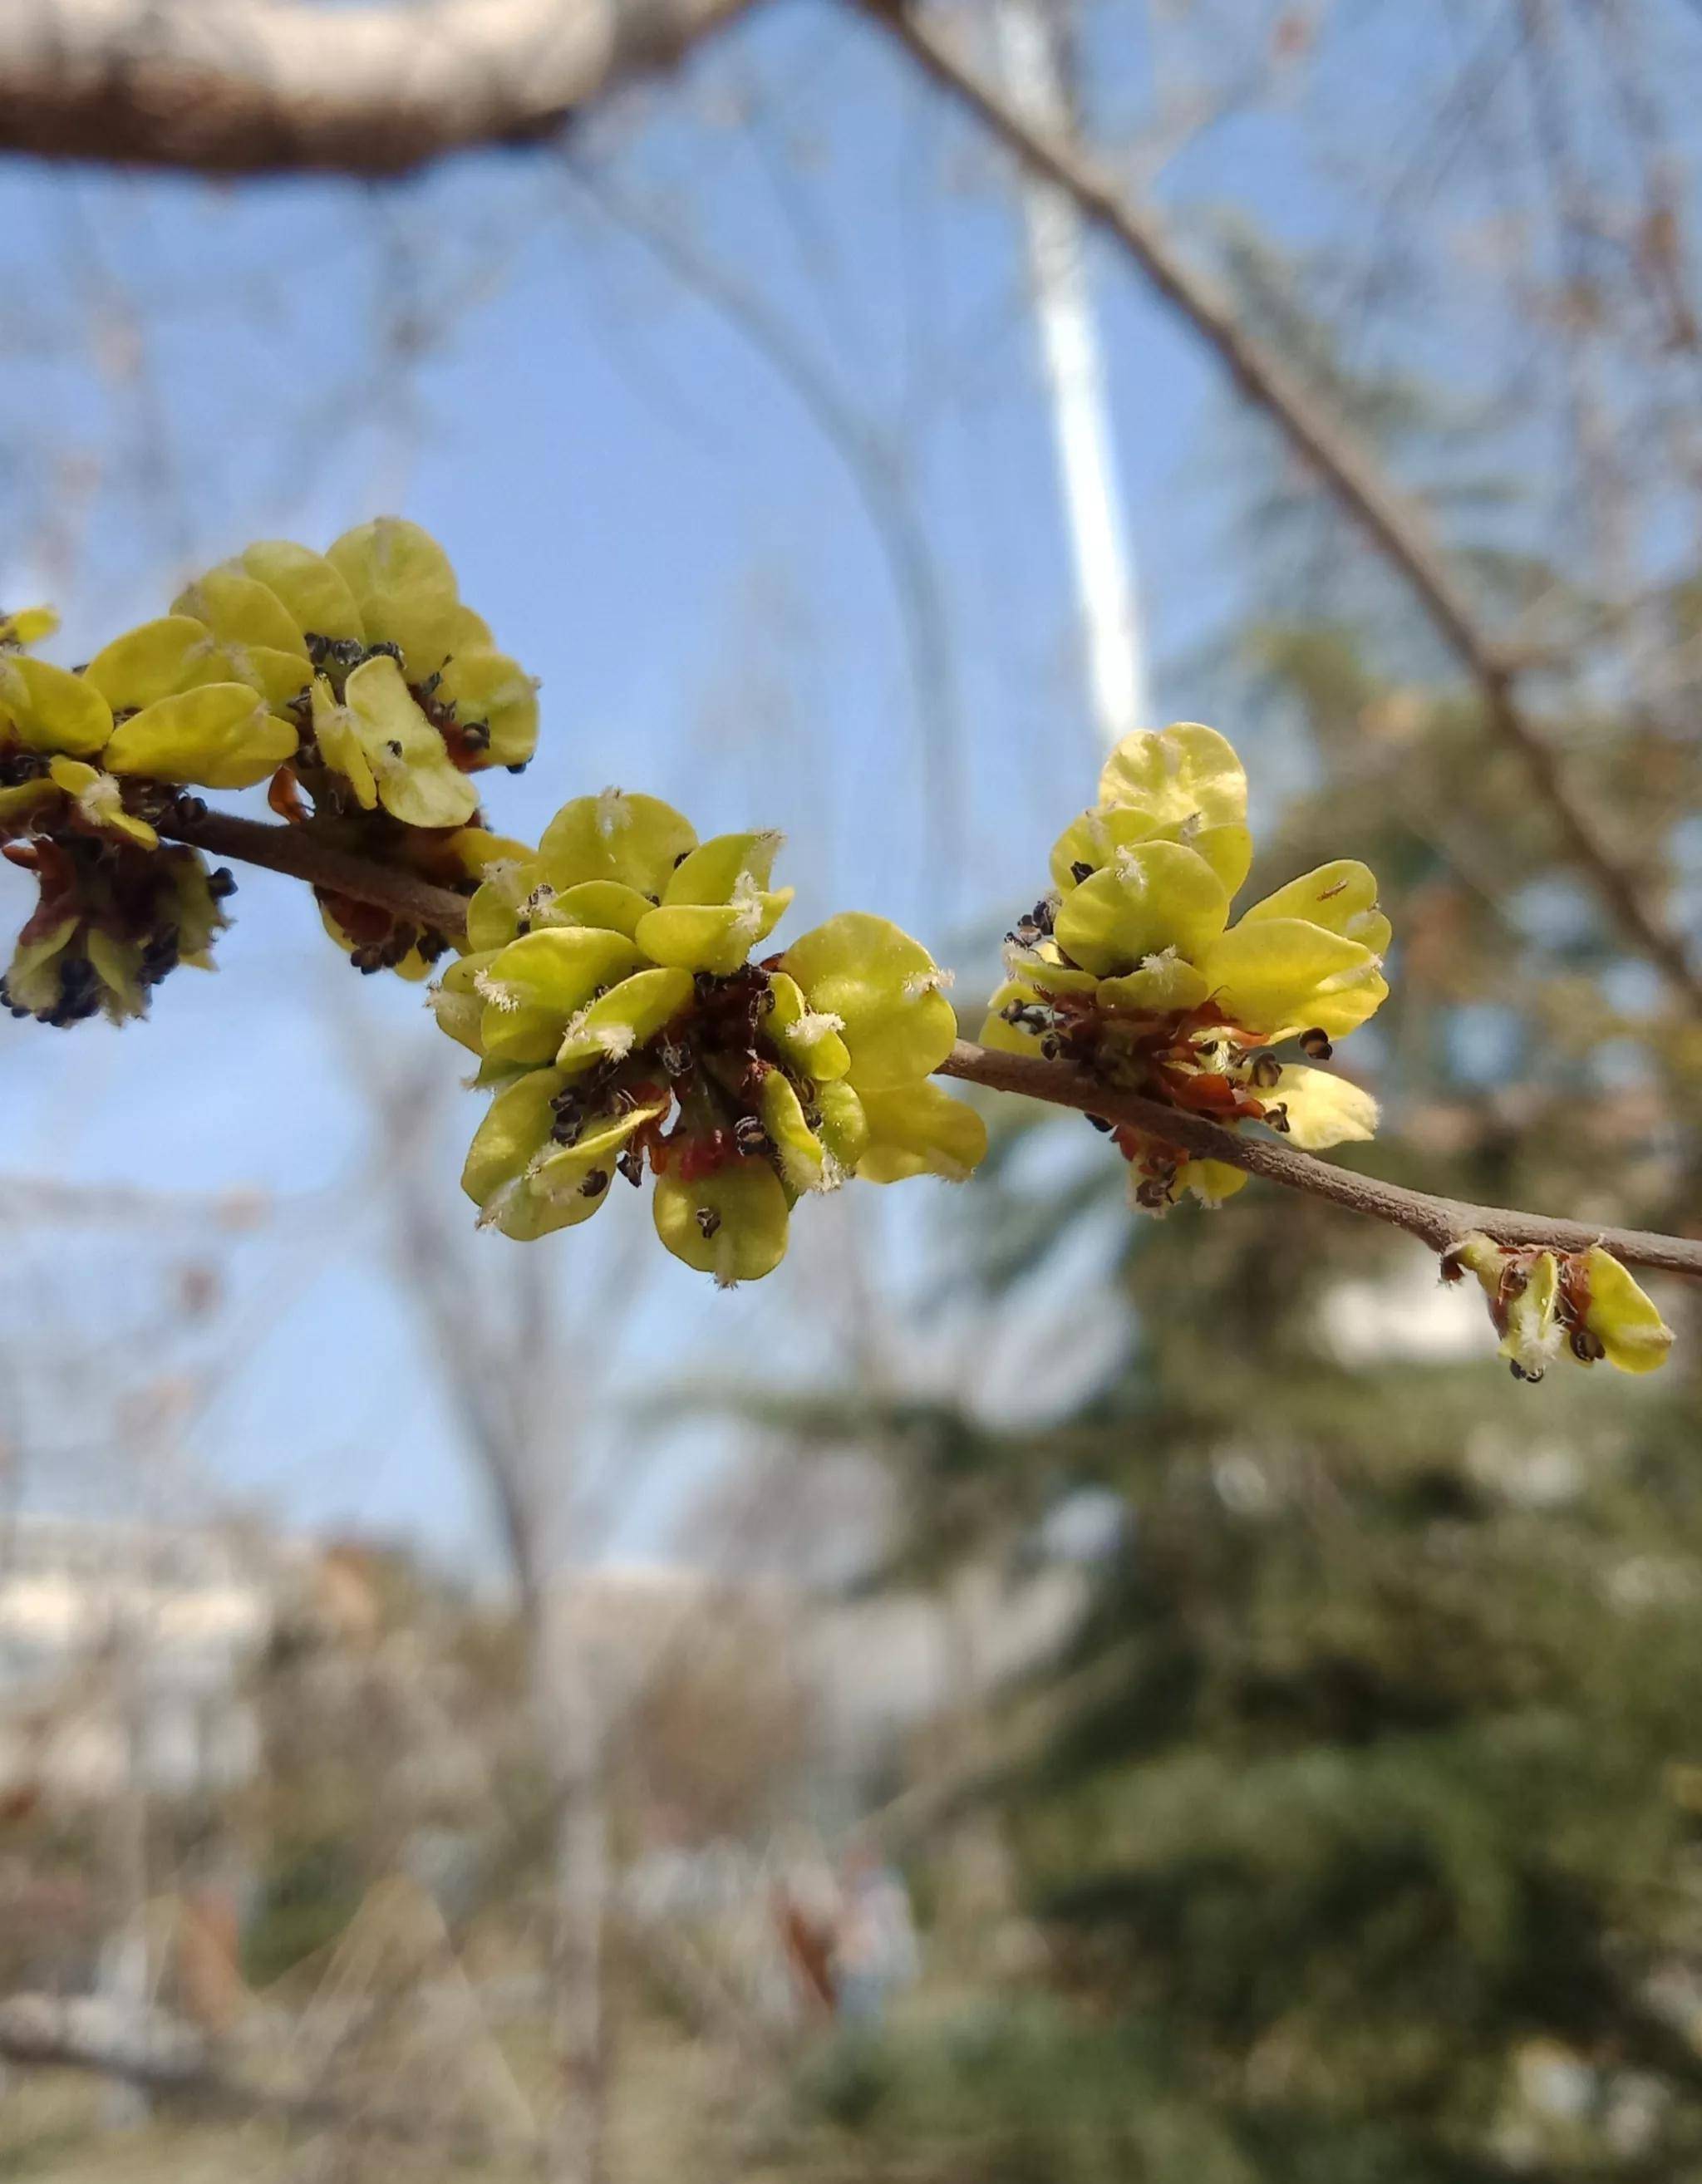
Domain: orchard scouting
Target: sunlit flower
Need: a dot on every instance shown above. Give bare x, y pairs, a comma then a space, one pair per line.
49, 721
1547, 1304
610, 994
1133, 970
398, 688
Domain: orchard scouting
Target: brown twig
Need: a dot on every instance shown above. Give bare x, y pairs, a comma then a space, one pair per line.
276, 86
1437, 1221
304, 855
1395, 524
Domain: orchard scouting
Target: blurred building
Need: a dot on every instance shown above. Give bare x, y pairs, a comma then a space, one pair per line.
124, 1645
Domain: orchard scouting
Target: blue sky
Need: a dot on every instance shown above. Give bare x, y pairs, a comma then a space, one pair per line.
656, 526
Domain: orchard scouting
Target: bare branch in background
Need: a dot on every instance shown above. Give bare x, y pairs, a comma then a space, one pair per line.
168, 2059
882, 472
1393, 523
273, 87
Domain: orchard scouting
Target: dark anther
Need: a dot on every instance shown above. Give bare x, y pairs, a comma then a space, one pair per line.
595, 1183
1587, 1347
632, 1166
1099, 1122
1315, 1043
751, 1138
681, 858
476, 736
521, 768
1266, 1071
1080, 870
1277, 1116
703, 983
221, 883
1051, 1047
675, 1060
523, 926
708, 1220
566, 1129
393, 746
1522, 1373
388, 646
1042, 916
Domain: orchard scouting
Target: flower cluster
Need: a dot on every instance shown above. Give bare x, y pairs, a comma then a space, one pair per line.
611, 998
356, 676
117, 909
1132, 970
394, 696
1548, 1304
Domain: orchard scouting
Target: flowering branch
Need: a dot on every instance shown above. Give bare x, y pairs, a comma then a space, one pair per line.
1440, 1222
1437, 1221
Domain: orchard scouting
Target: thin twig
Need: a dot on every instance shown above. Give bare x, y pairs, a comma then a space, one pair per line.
1395, 524
1437, 1221
305, 855
168, 2058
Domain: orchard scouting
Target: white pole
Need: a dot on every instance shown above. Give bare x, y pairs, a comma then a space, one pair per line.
1106, 585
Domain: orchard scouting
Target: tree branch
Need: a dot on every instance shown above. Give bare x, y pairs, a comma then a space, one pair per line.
165, 2057
277, 86
1436, 1221
304, 855
1395, 525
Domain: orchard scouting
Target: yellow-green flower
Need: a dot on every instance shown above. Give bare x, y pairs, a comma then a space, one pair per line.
611, 997
390, 693
1133, 968
25, 626
113, 919
1547, 1304
187, 707
49, 721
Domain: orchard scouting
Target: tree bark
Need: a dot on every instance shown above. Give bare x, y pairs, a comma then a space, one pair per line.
277, 86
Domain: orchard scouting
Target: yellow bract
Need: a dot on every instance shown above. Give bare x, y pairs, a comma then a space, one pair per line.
609, 975
220, 736
48, 709
1632, 1334
1547, 1304
1132, 966
1184, 773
